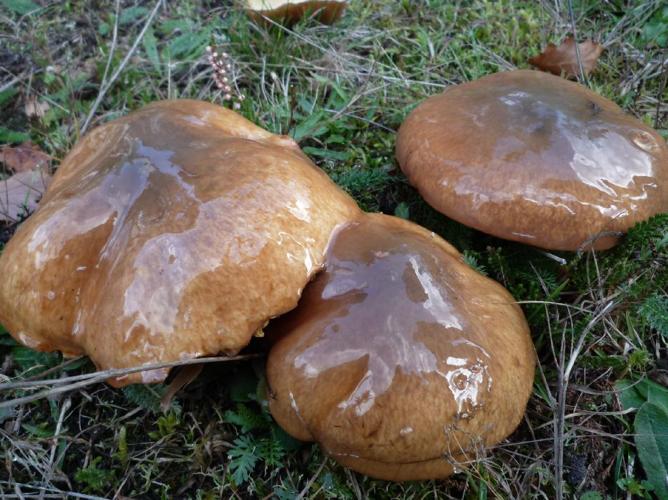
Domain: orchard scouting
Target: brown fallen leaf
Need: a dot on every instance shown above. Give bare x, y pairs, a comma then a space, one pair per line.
185, 375
24, 158
563, 59
33, 107
20, 193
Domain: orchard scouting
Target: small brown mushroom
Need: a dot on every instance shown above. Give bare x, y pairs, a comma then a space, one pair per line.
291, 11
531, 157
175, 232
400, 360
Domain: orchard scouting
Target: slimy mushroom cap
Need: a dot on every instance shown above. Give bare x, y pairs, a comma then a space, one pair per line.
531, 157
400, 360
175, 232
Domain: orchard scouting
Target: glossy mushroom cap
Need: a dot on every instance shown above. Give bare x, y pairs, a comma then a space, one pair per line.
531, 157
291, 11
400, 360
175, 232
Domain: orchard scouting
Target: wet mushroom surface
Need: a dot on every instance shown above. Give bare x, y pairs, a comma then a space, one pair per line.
528, 156
400, 360
175, 232
291, 11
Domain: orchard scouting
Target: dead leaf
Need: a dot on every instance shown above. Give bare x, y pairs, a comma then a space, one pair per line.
24, 158
563, 59
20, 193
33, 107
186, 374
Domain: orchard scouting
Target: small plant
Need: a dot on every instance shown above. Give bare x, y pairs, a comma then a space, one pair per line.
655, 31
268, 445
650, 430
167, 425
655, 312
221, 63
635, 488
95, 479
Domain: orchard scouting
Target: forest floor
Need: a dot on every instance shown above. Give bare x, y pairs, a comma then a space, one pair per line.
599, 320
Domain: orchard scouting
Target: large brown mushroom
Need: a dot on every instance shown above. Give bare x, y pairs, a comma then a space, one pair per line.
175, 232
531, 157
400, 360
291, 11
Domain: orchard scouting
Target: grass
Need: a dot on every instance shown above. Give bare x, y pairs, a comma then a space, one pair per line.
342, 92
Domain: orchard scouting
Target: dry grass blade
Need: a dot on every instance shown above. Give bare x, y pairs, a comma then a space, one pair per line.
79, 381
107, 85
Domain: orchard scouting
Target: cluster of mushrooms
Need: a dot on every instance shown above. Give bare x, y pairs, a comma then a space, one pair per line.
182, 230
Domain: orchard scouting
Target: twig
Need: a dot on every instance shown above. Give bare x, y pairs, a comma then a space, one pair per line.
114, 39
575, 37
310, 482
119, 70
54, 368
11, 82
54, 446
95, 377
659, 99
52, 492
113, 372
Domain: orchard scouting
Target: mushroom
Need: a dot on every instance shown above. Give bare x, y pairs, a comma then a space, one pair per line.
290, 11
400, 360
531, 157
175, 232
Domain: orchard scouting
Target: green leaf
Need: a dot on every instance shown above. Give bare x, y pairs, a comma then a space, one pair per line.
629, 396
243, 458
95, 480
336, 139
402, 210
246, 418
28, 358
591, 495
170, 25
655, 311
188, 43
635, 394
21, 7
132, 14
151, 48
327, 153
284, 492
310, 127
6, 95
103, 29
651, 437
271, 452
11, 136
145, 396
76, 365
39, 431
655, 32
122, 449
472, 260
